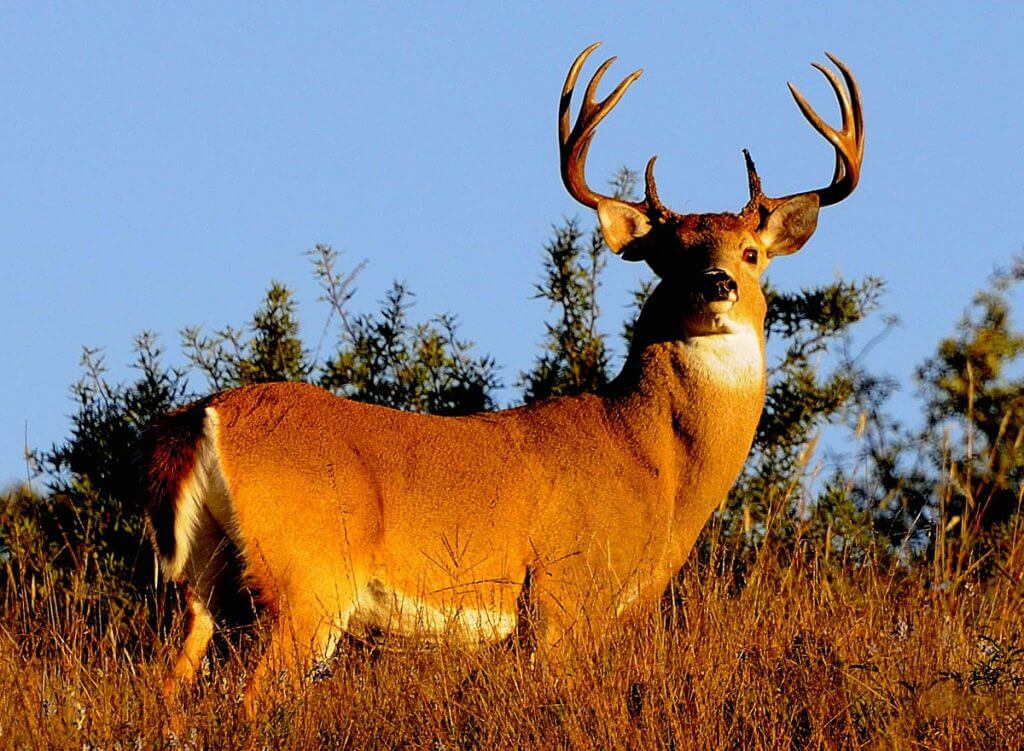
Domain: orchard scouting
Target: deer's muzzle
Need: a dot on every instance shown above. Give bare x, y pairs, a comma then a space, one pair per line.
716, 285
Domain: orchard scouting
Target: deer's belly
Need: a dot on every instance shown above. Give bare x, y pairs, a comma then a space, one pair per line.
467, 619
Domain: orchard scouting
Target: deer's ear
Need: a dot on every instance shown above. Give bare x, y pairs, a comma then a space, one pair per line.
790, 225
622, 226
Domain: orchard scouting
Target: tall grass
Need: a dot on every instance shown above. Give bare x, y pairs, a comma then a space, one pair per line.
803, 653
773, 646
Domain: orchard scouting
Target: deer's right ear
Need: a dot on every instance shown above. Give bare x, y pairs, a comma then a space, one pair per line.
623, 227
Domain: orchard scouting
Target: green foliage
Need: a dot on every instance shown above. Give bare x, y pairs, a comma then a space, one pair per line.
27, 544
574, 357
951, 488
972, 386
422, 368
89, 518
892, 484
800, 399
382, 358
273, 351
886, 501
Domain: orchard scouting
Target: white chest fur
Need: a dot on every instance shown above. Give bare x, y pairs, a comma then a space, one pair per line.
734, 359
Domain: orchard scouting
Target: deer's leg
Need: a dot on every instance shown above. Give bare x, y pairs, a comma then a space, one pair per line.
211, 593
553, 622
573, 608
297, 642
199, 632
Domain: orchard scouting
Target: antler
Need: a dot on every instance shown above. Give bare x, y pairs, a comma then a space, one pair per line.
575, 142
848, 142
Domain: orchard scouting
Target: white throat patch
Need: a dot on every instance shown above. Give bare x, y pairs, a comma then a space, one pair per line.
732, 359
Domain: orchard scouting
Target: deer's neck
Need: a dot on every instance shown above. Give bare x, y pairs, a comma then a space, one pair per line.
689, 410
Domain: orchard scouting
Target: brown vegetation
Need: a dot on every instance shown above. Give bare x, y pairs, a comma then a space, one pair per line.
798, 651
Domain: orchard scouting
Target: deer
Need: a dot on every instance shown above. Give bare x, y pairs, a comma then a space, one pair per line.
353, 520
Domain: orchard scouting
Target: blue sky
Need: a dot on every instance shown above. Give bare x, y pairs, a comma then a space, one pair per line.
161, 164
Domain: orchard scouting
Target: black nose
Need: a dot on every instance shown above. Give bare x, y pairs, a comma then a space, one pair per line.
716, 285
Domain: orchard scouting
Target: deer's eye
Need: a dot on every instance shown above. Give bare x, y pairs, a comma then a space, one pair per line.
750, 255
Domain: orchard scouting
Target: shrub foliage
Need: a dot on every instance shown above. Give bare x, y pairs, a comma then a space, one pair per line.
921, 496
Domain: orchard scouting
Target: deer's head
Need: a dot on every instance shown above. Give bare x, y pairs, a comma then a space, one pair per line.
710, 265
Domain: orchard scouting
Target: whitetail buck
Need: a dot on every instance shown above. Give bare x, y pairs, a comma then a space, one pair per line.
351, 518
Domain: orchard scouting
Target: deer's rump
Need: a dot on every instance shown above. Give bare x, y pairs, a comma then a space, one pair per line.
381, 520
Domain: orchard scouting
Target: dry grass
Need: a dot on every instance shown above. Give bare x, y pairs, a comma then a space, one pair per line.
802, 656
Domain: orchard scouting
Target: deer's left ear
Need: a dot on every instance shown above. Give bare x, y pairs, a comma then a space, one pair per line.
624, 227
790, 225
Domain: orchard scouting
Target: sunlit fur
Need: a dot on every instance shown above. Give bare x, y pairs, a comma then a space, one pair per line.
344, 517
354, 518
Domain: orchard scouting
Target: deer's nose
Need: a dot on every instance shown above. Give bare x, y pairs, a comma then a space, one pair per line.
716, 285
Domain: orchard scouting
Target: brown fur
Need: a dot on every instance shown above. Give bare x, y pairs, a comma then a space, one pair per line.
169, 448
598, 498
356, 518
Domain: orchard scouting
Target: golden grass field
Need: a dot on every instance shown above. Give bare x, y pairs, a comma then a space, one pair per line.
802, 653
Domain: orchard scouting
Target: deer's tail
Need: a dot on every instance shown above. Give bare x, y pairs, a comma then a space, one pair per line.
184, 483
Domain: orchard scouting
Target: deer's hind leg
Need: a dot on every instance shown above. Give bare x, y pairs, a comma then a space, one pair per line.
198, 634
303, 635
212, 593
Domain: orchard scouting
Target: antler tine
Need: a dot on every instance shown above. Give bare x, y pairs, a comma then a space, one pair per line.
854, 91
589, 103
651, 200
574, 140
826, 130
567, 89
848, 142
753, 180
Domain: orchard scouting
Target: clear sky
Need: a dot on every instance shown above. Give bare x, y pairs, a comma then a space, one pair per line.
162, 163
